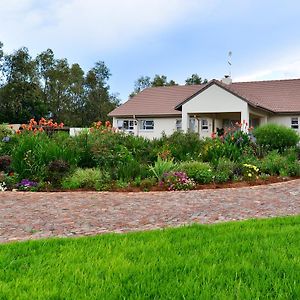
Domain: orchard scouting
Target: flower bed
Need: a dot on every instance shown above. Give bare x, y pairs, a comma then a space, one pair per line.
103, 159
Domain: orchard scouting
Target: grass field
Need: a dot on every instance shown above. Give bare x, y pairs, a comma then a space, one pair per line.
257, 259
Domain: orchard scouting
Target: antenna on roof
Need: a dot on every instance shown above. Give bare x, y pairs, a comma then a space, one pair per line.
229, 63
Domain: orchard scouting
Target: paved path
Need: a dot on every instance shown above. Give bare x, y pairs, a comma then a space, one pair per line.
35, 215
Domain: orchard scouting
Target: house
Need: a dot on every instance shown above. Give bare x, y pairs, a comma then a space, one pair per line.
204, 108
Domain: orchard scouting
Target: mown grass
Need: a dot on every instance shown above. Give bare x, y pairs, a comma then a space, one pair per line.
257, 259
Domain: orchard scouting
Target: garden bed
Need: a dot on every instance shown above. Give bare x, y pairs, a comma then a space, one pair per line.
102, 159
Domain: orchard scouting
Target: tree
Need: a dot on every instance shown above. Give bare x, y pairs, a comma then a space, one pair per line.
145, 82
98, 102
140, 84
20, 94
195, 79
162, 81
46, 86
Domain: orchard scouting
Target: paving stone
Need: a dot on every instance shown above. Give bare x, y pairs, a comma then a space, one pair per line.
25, 215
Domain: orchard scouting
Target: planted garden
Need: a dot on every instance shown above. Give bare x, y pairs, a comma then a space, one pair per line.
41, 157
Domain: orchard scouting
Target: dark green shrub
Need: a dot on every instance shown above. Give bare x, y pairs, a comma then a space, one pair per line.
275, 137
199, 171
87, 179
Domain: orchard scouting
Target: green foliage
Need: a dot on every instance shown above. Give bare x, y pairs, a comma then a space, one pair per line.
276, 137
33, 153
256, 259
87, 179
226, 170
161, 167
195, 79
284, 165
182, 146
199, 171
35, 87
250, 172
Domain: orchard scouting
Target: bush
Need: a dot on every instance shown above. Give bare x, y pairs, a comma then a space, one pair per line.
226, 170
5, 162
33, 153
284, 165
276, 137
87, 179
57, 169
199, 171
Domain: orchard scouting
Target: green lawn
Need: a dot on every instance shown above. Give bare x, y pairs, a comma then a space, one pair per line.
257, 259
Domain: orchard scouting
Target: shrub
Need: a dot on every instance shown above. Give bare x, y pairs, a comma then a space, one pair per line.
87, 179
33, 153
284, 165
5, 132
226, 170
57, 169
276, 137
177, 181
161, 167
199, 171
250, 172
5, 162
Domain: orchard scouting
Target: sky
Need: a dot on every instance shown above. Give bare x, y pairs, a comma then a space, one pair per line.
175, 38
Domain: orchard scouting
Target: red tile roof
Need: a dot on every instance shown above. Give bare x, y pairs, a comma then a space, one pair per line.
278, 96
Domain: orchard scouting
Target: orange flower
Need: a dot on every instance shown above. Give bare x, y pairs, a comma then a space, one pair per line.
41, 129
23, 126
61, 125
107, 124
18, 131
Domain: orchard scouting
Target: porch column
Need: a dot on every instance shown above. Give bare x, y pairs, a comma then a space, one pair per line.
245, 118
185, 121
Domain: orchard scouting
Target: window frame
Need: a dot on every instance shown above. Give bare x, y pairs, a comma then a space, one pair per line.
144, 127
130, 126
204, 127
295, 123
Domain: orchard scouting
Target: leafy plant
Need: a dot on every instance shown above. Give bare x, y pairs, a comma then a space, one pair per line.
199, 171
276, 137
250, 172
161, 167
87, 179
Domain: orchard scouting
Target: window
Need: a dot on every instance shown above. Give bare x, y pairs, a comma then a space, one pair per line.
204, 125
192, 124
178, 125
125, 124
146, 124
295, 123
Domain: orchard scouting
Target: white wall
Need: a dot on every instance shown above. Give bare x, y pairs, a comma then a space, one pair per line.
284, 120
167, 125
214, 100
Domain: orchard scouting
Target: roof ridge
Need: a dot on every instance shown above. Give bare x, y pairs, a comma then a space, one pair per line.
270, 80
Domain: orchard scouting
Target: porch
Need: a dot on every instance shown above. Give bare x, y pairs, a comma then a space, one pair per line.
207, 123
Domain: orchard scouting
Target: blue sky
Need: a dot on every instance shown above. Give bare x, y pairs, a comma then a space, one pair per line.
171, 37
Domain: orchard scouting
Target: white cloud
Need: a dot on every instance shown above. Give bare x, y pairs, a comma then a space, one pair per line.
283, 67
92, 25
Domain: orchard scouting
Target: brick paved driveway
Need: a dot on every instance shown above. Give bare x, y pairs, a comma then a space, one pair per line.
35, 215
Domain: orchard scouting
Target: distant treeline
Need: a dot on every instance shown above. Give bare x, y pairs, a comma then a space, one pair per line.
45, 86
